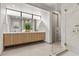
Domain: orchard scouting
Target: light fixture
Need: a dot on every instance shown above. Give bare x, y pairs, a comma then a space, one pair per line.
13, 5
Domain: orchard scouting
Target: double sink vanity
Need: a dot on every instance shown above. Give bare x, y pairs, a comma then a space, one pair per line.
15, 38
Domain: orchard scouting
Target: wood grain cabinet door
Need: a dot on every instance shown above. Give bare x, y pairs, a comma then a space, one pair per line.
20, 38
27, 37
8, 39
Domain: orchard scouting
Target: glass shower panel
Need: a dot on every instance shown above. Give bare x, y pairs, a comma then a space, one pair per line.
27, 18
14, 21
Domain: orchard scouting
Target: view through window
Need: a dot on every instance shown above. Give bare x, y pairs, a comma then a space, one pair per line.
17, 21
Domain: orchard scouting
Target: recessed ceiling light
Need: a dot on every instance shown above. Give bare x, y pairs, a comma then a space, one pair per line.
13, 5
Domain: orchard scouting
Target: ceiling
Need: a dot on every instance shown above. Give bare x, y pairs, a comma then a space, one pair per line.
46, 6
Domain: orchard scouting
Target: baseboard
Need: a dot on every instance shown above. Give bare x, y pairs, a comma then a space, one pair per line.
48, 42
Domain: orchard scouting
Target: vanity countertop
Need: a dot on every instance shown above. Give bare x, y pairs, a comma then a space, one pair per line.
23, 32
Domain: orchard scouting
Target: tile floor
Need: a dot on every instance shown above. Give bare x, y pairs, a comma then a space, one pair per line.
34, 49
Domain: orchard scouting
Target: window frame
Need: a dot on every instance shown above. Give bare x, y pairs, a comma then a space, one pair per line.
21, 17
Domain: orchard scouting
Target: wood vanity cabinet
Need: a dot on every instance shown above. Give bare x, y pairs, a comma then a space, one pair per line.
20, 38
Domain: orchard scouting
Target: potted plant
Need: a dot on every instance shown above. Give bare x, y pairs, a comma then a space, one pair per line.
27, 26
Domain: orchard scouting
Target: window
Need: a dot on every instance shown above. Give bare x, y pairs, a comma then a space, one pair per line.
16, 19
37, 21
27, 18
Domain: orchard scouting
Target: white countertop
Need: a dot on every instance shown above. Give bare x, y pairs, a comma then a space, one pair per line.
22, 32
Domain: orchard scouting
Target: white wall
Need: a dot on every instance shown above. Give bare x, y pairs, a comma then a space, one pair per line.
72, 19
2, 18
0, 33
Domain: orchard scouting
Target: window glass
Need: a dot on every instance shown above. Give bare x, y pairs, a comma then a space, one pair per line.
27, 18
14, 21
37, 20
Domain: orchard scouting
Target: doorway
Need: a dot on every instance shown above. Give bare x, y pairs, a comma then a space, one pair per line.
56, 33
55, 27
